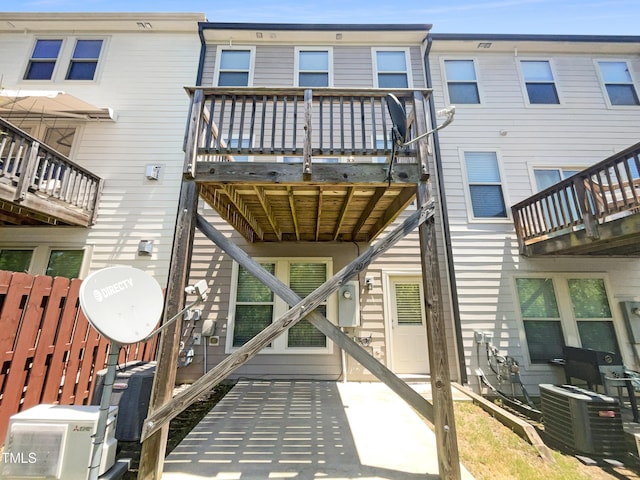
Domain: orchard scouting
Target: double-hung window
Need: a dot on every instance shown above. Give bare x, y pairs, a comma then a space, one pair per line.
618, 82
462, 83
313, 67
234, 67
485, 185
565, 207
43, 59
255, 307
84, 60
392, 69
539, 82
565, 309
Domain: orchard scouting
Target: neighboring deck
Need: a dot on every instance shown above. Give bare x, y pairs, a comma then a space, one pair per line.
39, 186
595, 212
292, 164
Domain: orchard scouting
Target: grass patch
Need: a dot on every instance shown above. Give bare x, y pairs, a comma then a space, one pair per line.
490, 450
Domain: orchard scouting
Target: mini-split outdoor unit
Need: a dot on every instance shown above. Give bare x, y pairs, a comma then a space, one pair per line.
56, 442
583, 420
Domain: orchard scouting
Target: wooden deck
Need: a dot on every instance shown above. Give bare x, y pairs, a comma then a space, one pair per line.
40, 186
595, 212
303, 165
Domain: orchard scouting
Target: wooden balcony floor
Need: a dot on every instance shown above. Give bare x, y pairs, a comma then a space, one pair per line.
337, 203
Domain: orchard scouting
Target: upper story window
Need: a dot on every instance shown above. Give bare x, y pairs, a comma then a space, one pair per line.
462, 83
84, 60
234, 67
485, 185
545, 177
392, 69
43, 60
618, 83
538, 79
313, 67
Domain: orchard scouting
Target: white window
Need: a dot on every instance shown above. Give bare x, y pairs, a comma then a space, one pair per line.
618, 82
84, 60
234, 67
462, 83
484, 184
43, 59
54, 262
314, 67
564, 310
539, 82
253, 306
392, 68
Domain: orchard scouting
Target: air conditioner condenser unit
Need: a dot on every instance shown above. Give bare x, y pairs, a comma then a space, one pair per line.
56, 442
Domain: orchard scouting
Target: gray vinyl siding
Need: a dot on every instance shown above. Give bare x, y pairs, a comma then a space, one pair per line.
582, 130
352, 67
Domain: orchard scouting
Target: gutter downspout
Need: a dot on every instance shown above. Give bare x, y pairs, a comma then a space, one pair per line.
445, 221
203, 53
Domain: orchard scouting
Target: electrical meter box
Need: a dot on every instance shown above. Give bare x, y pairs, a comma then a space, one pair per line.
349, 304
56, 442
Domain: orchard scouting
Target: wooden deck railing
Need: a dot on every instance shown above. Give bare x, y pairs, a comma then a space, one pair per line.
295, 122
30, 167
603, 192
48, 351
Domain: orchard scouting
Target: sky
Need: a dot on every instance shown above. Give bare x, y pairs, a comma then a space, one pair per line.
575, 17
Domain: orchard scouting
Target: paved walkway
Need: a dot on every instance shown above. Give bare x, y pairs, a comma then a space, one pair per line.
307, 430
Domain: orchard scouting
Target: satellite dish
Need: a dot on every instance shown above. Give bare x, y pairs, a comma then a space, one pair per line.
398, 118
122, 303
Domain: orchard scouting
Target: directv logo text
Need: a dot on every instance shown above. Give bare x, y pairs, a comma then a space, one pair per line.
110, 290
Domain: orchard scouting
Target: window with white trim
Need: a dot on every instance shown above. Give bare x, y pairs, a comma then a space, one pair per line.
54, 262
462, 83
539, 82
254, 306
233, 68
485, 185
314, 67
618, 82
565, 309
391, 68
43, 59
84, 60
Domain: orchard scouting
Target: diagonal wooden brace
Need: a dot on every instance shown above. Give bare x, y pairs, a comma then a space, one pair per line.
299, 310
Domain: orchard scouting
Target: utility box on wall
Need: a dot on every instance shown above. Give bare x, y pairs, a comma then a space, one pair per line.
349, 304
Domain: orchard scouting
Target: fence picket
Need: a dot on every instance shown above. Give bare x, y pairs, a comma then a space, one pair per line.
48, 351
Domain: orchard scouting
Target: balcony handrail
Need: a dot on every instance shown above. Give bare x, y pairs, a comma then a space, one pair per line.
295, 122
606, 190
34, 167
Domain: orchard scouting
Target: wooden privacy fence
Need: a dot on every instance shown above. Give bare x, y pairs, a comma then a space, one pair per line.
48, 351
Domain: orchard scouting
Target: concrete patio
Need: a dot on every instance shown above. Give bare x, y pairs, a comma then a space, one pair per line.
307, 430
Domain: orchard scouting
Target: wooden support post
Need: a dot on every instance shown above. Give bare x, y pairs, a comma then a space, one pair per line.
444, 421
193, 134
300, 309
153, 448
28, 172
306, 150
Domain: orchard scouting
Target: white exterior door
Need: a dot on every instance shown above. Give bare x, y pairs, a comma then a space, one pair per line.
408, 330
